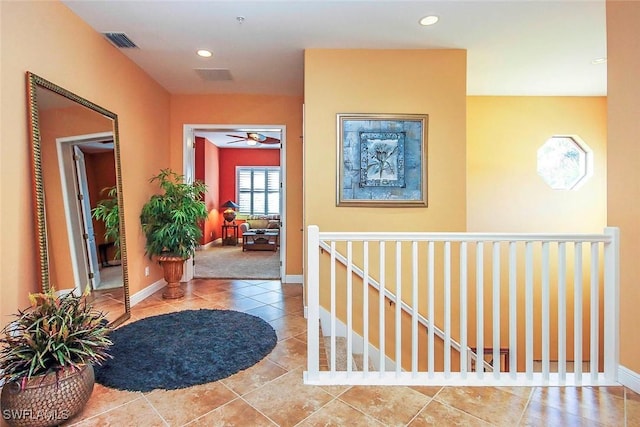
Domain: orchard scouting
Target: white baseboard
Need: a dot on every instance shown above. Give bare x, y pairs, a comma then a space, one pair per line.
147, 292
629, 378
293, 278
206, 246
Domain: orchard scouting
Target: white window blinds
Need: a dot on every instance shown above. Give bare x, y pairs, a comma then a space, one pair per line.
258, 190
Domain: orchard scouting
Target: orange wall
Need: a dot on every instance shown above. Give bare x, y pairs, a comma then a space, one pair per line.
429, 82
207, 171
623, 183
253, 110
504, 191
60, 47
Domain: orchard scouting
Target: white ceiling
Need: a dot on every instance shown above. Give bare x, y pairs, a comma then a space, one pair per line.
514, 47
224, 138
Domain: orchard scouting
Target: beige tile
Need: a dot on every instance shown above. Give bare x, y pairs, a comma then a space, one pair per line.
302, 337
181, 406
585, 402
290, 354
245, 304
290, 305
335, 390
490, 404
266, 312
208, 287
524, 392
391, 405
154, 299
155, 310
235, 413
269, 297
286, 400
254, 377
253, 291
338, 414
103, 399
292, 290
193, 303
538, 414
439, 414
136, 413
272, 285
289, 326
228, 301
427, 390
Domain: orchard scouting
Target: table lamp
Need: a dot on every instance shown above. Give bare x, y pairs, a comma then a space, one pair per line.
229, 213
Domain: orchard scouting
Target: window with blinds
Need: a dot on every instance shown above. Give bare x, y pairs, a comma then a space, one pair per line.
258, 190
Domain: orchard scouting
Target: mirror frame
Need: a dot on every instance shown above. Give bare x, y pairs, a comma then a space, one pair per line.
33, 82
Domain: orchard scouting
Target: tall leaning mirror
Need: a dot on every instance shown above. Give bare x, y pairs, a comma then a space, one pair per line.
77, 187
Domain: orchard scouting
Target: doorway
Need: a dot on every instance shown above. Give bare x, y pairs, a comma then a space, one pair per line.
82, 161
246, 137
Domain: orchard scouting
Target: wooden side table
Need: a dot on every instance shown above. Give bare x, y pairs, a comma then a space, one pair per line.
229, 234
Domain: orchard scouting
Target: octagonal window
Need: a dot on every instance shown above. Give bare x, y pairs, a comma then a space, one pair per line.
564, 162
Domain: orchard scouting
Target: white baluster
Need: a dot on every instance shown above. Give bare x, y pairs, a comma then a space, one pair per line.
464, 354
480, 310
529, 309
562, 312
496, 309
513, 319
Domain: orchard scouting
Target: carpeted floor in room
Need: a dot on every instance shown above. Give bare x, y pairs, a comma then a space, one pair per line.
230, 262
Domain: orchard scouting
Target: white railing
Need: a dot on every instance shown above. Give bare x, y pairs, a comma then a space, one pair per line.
420, 307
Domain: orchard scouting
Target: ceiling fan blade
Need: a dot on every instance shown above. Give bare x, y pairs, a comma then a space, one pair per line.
240, 138
270, 140
237, 140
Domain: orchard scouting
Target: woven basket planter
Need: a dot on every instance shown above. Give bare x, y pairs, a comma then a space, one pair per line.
47, 400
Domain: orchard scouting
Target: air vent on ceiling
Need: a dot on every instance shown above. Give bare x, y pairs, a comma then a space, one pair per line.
214, 74
120, 40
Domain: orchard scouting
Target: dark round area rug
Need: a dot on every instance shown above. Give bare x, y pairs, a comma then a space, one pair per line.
183, 349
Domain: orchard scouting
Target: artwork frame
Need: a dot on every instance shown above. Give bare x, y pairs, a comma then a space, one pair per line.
382, 160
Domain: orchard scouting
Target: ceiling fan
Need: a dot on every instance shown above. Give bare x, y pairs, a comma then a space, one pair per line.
254, 138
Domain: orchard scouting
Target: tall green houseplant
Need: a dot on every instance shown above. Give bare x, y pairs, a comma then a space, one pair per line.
170, 223
107, 211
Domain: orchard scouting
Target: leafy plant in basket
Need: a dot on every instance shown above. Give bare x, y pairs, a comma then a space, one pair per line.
46, 355
170, 222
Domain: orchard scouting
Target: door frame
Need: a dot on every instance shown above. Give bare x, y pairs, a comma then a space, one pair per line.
79, 257
189, 174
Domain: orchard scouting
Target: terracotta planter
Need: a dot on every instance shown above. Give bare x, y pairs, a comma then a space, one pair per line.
47, 400
173, 268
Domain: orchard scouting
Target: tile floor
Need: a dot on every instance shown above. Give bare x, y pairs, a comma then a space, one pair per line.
272, 393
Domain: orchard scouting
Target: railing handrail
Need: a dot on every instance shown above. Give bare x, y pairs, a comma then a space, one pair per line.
405, 307
608, 278
463, 236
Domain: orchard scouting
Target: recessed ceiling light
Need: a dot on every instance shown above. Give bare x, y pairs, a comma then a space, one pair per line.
599, 61
429, 20
204, 53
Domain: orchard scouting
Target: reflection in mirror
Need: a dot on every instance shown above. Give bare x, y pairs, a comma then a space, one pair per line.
76, 160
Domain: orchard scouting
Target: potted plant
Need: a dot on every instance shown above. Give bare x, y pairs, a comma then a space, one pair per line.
46, 358
107, 211
170, 223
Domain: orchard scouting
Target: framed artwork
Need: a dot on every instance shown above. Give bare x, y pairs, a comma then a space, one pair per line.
382, 159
